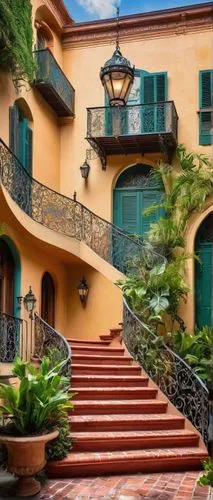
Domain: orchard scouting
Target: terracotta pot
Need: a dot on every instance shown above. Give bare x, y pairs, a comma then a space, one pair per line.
26, 457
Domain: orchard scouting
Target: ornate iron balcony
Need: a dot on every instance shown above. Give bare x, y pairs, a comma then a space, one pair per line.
53, 85
140, 128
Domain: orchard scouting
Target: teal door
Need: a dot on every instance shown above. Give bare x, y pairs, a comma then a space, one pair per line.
21, 138
203, 285
129, 206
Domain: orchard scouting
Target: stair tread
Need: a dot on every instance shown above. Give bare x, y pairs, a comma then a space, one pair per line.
100, 343
98, 348
92, 435
127, 417
96, 356
113, 389
132, 402
111, 377
118, 456
86, 366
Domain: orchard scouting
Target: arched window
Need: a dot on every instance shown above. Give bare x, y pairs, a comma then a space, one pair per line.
21, 135
48, 299
204, 274
7, 279
136, 189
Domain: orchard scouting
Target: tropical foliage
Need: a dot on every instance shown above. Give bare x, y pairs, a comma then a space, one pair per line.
16, 39
41, 399
207, 479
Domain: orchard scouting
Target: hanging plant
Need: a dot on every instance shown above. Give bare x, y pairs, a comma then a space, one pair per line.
16, 40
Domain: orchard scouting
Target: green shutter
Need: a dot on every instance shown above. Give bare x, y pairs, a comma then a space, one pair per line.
149, 198
22, 135
203, 285
126, 210
29, 150
206, 101
154, 90
13, 129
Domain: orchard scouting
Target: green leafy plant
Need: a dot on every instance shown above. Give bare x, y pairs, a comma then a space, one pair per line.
61, 446
207, 479
40, 400
16, 39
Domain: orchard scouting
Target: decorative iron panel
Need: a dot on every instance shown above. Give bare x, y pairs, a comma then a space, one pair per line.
49, 72
172, 375
11, 337
48, 338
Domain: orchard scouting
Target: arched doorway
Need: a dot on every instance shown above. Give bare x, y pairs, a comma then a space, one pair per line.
48, 299
135, 191
204, 274
7, 279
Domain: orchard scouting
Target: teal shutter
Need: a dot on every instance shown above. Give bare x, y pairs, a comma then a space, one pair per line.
154, 90
29, 150
203, 285
13, 129
22, 149
206, 101
126, 211
149, 198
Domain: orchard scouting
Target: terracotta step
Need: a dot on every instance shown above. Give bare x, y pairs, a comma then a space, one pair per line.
90, 343
117, 407
115, 381
105, 337
129, 461
105, 370
125, 422
103, 360
113, 393
129, 440
97, 351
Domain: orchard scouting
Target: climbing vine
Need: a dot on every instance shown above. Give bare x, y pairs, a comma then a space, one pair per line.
16, 40
154, 294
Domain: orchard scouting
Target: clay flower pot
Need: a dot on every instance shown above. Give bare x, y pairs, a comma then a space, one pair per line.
26, 457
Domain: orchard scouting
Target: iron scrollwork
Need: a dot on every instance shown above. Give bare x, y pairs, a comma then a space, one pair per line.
173, 376
11, 337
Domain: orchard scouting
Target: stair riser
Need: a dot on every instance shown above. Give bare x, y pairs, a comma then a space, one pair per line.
126, 425
77, 382
128, 467
103, 445
119, 409
99, 361
104, 370
98, 396
89, 343
98, 352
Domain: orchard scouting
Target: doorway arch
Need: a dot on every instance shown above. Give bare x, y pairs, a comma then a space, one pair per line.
204, 274
135, 190
10, 277
48, 299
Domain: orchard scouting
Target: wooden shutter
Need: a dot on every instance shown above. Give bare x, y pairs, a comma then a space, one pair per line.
126, 211
206, 101
149, 198
154, 90
29, 150
13, 129
204, 286
22, 149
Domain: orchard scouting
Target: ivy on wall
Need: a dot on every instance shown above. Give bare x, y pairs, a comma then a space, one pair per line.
16, 40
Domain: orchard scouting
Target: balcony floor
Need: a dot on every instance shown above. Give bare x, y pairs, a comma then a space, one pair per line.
53, 99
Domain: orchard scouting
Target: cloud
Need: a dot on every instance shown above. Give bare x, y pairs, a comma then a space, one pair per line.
100, 8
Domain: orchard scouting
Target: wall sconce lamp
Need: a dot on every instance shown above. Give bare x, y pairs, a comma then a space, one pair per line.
29, 302
85, 168
83, 291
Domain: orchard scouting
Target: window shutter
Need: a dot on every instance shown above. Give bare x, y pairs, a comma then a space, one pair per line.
154, 90
161, 87
29, 150
13, 129
206, 101
129, 212
149, 198
148, 89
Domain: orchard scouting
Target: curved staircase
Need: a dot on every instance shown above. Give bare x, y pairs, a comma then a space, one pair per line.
122, 423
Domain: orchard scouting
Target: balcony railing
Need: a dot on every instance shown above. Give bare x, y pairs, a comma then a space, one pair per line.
133, 129
13, 338
53, 85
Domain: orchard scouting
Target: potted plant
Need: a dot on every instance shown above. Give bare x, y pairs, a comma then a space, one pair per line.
30, 414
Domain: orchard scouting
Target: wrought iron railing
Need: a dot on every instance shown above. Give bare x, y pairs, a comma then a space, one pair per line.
46, 338
139, 119
70, 217
49, 72
12, 342
173, 376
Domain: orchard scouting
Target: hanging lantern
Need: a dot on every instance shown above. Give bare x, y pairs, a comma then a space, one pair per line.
29, 302
83, 290
117, 75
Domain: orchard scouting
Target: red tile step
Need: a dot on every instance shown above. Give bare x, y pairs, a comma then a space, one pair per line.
105, 370
106, 337
129, 461
129, 440
117, 407
103, 360
97, 351
114, 393
90, 343
116, 381
123, 422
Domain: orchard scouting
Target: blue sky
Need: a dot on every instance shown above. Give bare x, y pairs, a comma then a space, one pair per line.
86, 10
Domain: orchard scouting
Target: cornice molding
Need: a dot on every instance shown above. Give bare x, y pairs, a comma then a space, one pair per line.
61, 11
140, 26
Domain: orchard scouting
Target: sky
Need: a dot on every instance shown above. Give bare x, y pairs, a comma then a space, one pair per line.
87, 10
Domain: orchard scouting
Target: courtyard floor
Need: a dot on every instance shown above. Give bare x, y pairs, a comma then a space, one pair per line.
171, 486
